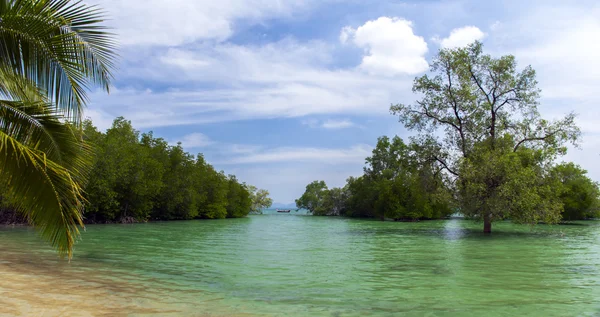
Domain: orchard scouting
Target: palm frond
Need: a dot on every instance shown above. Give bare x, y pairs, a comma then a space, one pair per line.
47, 192
51, 53
43, 161
14, 86
37, 126
34, 122
60, 45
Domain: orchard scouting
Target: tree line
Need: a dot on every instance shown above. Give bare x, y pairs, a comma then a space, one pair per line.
396, 184
481, 149
137, 177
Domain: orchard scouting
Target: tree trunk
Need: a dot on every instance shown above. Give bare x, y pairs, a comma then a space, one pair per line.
487, 224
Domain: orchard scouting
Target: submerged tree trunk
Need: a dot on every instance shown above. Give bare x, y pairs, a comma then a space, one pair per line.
487, 224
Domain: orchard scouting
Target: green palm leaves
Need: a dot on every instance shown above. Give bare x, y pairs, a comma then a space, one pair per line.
51, 52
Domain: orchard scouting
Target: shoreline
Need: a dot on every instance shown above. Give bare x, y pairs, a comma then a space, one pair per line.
48, 287
24, 222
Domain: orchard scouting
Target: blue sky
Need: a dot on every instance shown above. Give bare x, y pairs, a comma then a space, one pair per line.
281, 93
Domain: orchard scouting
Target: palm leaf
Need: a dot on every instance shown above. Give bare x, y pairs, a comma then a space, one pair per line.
60, 45
34, 122
51, 53
49, 193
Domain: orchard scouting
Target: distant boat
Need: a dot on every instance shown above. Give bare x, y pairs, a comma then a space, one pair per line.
283, 210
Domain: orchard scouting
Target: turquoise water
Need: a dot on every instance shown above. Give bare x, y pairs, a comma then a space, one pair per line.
294, 265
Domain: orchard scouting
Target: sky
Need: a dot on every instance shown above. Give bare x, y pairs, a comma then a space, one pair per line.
284, 92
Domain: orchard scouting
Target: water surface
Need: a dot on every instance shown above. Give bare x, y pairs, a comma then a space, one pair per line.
298, 265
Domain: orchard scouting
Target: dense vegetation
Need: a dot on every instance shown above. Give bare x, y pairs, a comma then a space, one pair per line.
137, 177
260, 199
482, 149
578, 194
396, 184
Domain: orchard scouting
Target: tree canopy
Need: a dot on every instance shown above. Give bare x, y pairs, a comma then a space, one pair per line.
495, 144
137, 177
395, 185
578, 194
260, 199
313, 197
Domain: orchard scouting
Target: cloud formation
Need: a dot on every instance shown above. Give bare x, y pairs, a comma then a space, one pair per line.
196, 140
353, 154
461, 37
283, 79
176, 22
338, 124
330, 124
391, 46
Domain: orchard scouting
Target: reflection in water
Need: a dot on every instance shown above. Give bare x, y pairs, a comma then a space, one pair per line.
270, 265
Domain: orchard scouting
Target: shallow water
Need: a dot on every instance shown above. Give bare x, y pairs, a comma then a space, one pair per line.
286, 264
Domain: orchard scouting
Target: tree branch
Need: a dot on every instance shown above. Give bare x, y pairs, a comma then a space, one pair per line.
539, 138
445, 165
455, 108
428, 114
479, 85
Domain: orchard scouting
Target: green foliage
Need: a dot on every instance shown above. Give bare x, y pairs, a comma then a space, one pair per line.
399, 184
214, 186
578, 193
52, 52
508, 185
395, 185
313, 197
334, 202
363, 194
496, 148
260, 199
179, 197
239, 201
138, 177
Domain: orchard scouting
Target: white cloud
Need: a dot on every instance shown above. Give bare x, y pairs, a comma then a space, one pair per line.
391, 46
313, 123
185, 59
282, 61
337, 124
461, 37
567, 61
331, 124
563, 53
241, 148
346, 33
281, 79
175, 22
176, 107
101, 119
496, 25
195, 140
296, 154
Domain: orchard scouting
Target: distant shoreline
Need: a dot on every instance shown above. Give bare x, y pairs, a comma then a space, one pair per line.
12, 219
